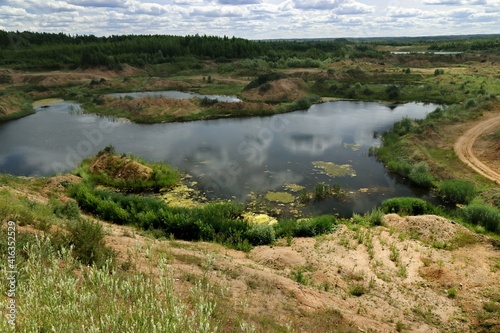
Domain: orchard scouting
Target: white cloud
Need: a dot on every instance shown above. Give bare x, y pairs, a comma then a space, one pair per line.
317, 4
354, 8
239, 2
98, 3
400, 12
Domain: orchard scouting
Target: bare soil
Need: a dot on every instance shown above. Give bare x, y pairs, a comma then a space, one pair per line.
425, 274
121, 168
468, 152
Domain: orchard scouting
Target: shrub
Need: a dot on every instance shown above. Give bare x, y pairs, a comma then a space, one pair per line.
87, 239
375, 217
321, 191
408, 205
393, 92
457, 191
315, 226
483, 215
69, 210
261, 234
420, 175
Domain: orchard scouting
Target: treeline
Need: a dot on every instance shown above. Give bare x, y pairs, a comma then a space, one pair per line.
488, 44
32, 50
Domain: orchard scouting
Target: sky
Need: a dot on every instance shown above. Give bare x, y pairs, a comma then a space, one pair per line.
254, 19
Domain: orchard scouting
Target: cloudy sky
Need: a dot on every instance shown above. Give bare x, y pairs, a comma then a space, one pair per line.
254, 19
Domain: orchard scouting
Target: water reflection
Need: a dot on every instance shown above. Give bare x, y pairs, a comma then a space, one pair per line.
228, 157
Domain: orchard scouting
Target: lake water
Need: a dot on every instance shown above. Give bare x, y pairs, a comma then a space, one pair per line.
427, 52
175, 94
230, 158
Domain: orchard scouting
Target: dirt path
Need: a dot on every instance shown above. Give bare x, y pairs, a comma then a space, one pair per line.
464, 148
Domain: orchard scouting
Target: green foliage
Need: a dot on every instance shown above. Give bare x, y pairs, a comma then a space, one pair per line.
56, 299
357, 290
68, 210
375, 216
452, 292
438, 71
218, 222
261, 234
87, 239
321, 191
457, 191
483, 215
162, 176
420, 175
408, 206
393, 92
310, 227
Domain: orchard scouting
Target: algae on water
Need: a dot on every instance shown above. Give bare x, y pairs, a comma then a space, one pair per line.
335, 170
352, 146
293, 187
282, 197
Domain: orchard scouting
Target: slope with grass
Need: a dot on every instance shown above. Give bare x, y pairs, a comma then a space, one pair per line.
423, 273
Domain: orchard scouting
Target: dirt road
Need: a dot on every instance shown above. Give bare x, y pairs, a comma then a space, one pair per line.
464, 148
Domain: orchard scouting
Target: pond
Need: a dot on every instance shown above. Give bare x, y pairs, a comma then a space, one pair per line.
175, 94
229, 158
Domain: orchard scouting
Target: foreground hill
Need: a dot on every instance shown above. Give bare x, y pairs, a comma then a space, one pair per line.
414, 274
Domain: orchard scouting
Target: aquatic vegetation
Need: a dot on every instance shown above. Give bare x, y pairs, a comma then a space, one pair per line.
335, 170
293, 187
352, 146
259, 218
282, 197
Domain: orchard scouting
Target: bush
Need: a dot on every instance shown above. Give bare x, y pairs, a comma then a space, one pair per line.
408, 206
420, 175
315, 226
69, 210
483, 215
261, 234
87, 239
457, 191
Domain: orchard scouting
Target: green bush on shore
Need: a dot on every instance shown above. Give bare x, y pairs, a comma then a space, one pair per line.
408, 206
483, 215
457, 191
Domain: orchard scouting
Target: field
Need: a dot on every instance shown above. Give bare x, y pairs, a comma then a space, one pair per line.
120, 237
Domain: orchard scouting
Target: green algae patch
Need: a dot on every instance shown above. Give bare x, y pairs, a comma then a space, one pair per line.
183, 195
335, 170
259, 218
282, 197
352, 146
293, 187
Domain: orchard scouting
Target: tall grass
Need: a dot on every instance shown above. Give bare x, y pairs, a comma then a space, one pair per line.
457, 191
56, 294
408, 206
483, 215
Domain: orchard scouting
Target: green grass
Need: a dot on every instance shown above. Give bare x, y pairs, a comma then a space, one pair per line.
51, 296
457, 191
162, 176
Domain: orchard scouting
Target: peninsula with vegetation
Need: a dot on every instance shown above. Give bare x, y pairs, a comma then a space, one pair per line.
122, 244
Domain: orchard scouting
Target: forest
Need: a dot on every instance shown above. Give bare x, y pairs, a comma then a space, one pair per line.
49, 51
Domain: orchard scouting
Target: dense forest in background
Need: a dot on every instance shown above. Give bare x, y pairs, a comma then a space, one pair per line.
40, 51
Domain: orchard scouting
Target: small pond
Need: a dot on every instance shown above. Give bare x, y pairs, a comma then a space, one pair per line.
229, 158
175, 94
